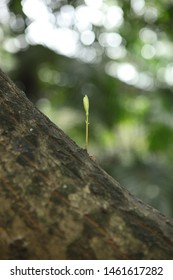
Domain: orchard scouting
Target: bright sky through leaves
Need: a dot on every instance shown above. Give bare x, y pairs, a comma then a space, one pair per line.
71, 32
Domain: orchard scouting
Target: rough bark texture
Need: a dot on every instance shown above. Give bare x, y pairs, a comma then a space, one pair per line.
57, 203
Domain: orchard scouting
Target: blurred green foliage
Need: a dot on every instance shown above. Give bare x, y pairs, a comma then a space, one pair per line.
121, 56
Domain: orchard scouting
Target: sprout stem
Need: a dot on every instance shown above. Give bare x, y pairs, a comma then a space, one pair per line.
87, 124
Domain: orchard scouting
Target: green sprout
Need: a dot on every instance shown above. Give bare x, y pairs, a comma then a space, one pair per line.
86, 107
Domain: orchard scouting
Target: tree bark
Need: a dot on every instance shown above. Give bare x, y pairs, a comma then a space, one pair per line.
57, 203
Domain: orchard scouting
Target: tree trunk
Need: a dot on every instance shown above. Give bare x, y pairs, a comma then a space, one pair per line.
57, 203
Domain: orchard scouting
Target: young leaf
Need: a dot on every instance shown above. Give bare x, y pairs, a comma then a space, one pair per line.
86, 104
